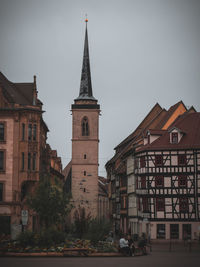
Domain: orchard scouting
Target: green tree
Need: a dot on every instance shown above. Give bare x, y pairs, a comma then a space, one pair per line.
81, 222
50, 202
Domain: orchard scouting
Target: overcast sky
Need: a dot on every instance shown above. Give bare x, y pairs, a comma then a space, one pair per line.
141, 52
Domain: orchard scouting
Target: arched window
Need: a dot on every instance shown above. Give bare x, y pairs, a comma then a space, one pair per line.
85, 127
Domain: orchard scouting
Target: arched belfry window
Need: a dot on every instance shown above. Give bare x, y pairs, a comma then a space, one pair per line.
85, 127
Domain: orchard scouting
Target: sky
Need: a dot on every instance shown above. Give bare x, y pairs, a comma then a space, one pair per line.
142, 52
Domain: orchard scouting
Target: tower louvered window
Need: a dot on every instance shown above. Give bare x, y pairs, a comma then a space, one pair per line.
85, 127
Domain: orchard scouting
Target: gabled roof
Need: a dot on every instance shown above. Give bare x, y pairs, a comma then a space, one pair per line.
102, 186
156, 110
175, 128
67, 169
169, 113
155, 132
19, 93
188, 123
155, 119
151, 119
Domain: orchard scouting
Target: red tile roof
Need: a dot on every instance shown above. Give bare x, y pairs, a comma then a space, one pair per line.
169, 113
188, 123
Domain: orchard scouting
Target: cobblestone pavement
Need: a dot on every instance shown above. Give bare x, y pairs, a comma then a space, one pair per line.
156, 258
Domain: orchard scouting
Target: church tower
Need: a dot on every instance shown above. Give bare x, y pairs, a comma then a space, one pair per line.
85, 142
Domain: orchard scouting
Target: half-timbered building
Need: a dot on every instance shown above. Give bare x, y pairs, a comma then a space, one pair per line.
128, 215
168, 179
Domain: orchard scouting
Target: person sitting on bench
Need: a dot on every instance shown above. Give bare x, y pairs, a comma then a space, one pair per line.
124, 247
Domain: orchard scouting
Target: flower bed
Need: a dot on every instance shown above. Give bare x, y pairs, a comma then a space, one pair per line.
100, 247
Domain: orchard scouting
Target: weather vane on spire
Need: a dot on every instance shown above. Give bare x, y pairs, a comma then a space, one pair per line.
86, 19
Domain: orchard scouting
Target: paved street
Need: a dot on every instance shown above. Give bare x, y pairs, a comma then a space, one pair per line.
163, 259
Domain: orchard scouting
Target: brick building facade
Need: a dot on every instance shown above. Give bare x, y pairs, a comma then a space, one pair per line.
24, 153
81, 174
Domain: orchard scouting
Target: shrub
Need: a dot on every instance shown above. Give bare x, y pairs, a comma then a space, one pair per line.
50, 237
98, 230
45, 238
26, 239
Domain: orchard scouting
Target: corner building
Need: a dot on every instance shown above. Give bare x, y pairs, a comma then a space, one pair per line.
85, 140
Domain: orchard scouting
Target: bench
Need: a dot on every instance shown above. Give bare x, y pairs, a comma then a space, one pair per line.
75, 252
140, 251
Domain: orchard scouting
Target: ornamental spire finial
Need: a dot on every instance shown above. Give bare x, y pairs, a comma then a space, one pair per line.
86, 19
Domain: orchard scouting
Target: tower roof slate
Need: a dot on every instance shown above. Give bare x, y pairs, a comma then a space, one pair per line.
85, 92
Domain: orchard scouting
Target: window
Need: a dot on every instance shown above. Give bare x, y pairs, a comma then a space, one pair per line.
1, 191
2, 161
138, 204
2, 131
182, 181
160, 204
142, 162
158, 160
143, 182
5, 225
161, 231
136, 162
85, 156
174, 138
23, 131
182, 159
145, 204
123, 202
85, 127
187, 231
30, 132
24, 190
183, 204
159, 181
29, 161
22, 161
34, 161
123, 181
84, 173
174, 231
34, 132
112, 187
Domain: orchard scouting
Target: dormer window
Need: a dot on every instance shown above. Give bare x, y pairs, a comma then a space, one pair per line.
174, 138
176, 135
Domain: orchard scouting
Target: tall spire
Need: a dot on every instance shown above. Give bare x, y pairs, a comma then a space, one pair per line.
86, 84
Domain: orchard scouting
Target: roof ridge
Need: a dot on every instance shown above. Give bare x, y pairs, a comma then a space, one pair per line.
124, 141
